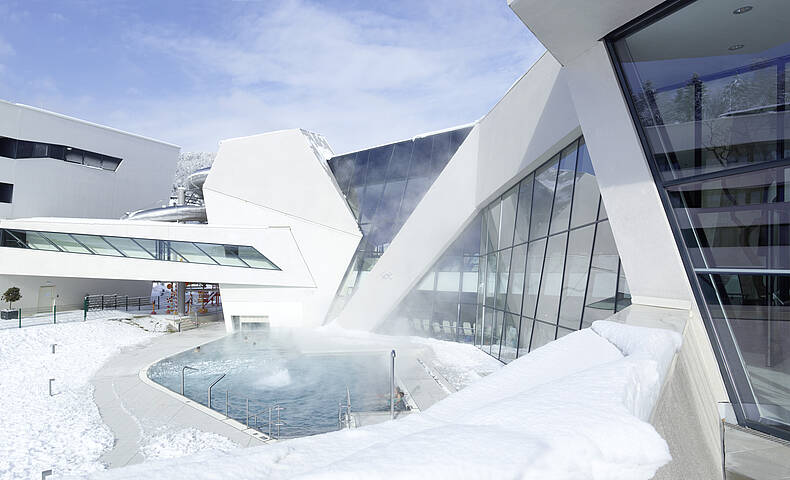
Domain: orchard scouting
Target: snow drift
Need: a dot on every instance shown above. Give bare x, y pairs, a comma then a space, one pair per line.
573, 409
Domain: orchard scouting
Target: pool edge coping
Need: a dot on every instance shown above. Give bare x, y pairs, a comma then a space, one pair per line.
143, 375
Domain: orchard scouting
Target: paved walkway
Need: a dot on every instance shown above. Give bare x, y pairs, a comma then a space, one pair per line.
132, 407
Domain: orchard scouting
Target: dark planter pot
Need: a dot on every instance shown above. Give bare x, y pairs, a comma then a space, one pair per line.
9, 314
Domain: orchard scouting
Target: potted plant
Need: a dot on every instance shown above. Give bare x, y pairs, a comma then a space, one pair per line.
11, 295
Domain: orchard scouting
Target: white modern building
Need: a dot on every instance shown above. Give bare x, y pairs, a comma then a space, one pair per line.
640, 165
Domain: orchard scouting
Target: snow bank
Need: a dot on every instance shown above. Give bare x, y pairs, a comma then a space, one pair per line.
65, 431
184, 442
569, 410
461, 364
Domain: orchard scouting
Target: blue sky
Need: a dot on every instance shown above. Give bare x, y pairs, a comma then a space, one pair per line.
194, 72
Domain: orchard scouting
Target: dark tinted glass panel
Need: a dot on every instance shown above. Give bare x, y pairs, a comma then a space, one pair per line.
24, 149
542, 198
399, 163
491, 269
563, 194
7, 147
524, 210
6, 192
378, 161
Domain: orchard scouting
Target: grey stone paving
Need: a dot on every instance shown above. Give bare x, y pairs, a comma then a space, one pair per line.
132, 407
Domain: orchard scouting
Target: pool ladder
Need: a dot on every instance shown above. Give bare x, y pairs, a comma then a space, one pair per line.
275, 421
344, 419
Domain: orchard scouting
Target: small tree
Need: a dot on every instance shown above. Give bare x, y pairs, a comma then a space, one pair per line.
11, 295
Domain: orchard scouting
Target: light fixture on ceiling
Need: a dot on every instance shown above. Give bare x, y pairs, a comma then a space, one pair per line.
737, 46
743, 9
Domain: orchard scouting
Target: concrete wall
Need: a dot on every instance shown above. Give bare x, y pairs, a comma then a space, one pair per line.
649, 254
282, 178
49, 187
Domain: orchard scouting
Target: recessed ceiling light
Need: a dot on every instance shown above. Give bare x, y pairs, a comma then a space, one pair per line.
743, 9
737, 46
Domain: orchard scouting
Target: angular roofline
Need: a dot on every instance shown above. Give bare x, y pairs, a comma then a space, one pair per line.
92, 124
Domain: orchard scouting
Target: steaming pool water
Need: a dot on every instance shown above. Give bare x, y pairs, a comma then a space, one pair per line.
303, 372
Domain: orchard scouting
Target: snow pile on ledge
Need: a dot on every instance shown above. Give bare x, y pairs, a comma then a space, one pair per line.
573, 409
460, 363
63, 432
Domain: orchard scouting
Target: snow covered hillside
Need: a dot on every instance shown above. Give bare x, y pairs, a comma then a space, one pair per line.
63, 432
576, 408
188, 162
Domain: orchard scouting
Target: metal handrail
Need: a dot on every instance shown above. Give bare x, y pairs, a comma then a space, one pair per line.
212, 386
341, 420
183, 369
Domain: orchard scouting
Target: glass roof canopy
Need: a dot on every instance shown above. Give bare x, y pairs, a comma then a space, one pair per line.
143, 248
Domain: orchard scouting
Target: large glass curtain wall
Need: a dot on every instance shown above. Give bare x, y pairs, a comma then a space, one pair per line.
537, 263
383, 186
708, 86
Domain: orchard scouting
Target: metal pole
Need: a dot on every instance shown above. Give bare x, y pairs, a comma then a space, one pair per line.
227, 396
183, 369
247, 421
392, 386
20, 318
50, 386
270, 423
212, 386
723, 454
53, 347
46, 473
85, 310
54, 314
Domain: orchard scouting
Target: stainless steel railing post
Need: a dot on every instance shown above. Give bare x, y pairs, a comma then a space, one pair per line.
392, 385
183, 369
212, 386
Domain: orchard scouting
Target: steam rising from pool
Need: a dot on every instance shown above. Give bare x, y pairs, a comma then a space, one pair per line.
278, 379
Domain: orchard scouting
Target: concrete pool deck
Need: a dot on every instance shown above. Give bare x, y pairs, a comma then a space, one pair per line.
131, 407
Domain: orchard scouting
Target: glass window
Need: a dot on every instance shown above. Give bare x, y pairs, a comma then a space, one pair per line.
491, 265
551, 283
509, 201
623, 292
524, 336
370, 201
736, 221
415, 190
469, 278
577, 264
496, 334
493, 215
65, 242
255, 259
390, 202
39, 242
343, 169
585, 192
488, 329
467, 313
503, 272
191, 253
378, 161
524, 210
479, 325
24, 149
561, 212
399, 163
542, 333
448, 277
129, 247
7, 147
223, 254
542, 197
602, 211
534, 268
603, 277
6, 192
516, 281
509, 348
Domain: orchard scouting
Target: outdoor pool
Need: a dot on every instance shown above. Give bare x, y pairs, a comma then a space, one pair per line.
304, 373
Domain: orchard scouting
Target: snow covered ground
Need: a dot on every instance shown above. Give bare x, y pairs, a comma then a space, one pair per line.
576, 408
187, 441
63, 432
